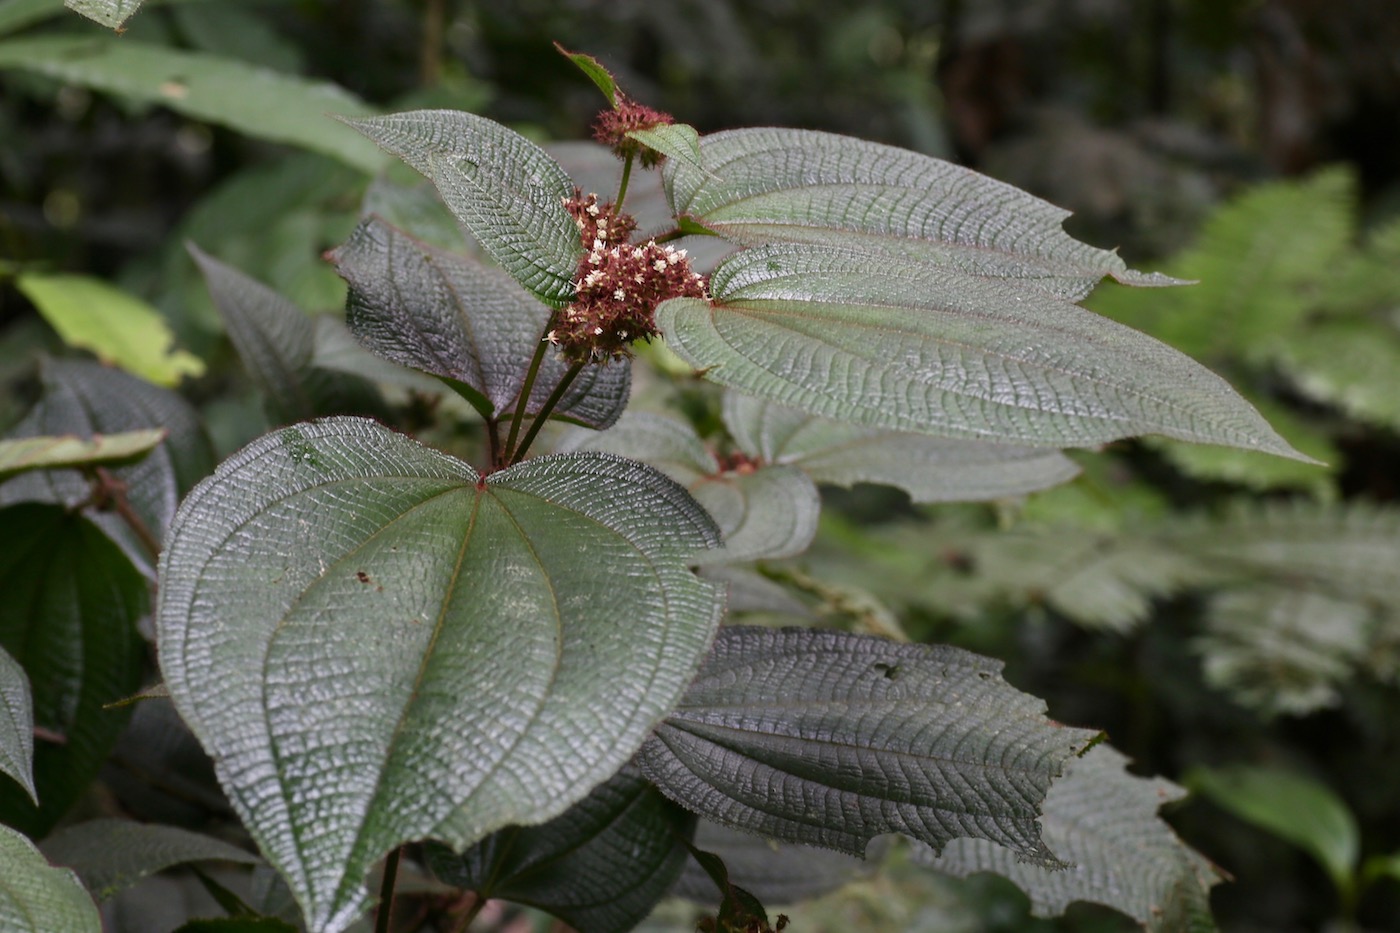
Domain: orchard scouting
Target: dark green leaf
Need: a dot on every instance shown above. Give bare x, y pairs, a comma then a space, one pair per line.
775, 872
276, 341
929, 469
109, 855
503, 188
600, 867
1104, 821
378, 645
48, 453
767, 184
85, 398
69, 618
35, 898
16, 725
595, 71
825, 738
464, 322
252, 100
1292, 806
852, 336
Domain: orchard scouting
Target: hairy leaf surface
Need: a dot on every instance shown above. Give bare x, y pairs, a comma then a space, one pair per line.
767, 184
929, 469
826, 738
1104, 821
16, 725
378, 645
111, 13
851, 336
503, 188
109, 855
69, 618
601, 866
466, 323
36, 898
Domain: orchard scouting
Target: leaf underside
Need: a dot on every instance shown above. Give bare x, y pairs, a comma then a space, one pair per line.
377, 645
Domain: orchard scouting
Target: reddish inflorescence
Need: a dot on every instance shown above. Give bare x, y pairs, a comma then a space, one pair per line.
627, 115
619, 285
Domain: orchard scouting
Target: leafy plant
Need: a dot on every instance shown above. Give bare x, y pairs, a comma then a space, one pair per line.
521, 657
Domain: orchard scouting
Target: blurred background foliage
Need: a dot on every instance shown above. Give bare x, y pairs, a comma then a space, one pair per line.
1213, 610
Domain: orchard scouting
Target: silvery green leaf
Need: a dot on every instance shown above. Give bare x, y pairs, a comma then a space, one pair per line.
109, 855
36, 898
16, 725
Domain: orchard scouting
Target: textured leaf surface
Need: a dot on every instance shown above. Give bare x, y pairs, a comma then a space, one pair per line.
503, 188
85, 399
47, 453
35, 898
464, 322
825, 738
110, 13
252, 100
69, 618
378, 645
763, 513
1103, 821
851, 336
929, 469
109, 855
768, 184
776, 873
276, 342
16, 725
600, 866
118, 327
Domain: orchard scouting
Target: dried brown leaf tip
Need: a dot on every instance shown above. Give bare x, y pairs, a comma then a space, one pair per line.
618, 286
613, 125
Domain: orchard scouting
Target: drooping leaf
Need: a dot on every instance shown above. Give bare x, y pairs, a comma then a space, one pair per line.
601, 866
1292, 806
392, 647
109, 855
35, 898
466, 323
826, 738
255, 101
775, 872
852, 336
739, 910
768, 184
929, 469
1103, 821
16, 725
118, 327
762, 512
276, 341
503, 188
69, 618
85, 399
49, 453
110, 13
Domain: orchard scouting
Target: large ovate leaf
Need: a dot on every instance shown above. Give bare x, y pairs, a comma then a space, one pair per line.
72, 601
376, 644
256, 101
16, 725
109, 855
276, 341
852, 336
503, 188
670, 445
930, 469
50, 453
36, 898
826, 738
468, 324
600, 866
1103, 821
119, 327
87, 399
769, 184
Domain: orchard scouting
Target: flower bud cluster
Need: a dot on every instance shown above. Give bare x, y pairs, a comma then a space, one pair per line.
613, 125
619, 285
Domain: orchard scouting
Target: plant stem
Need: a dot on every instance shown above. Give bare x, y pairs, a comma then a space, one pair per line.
493, 438
622, 186
110, 493
470, 915
386, 891
522, 401
543, 414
